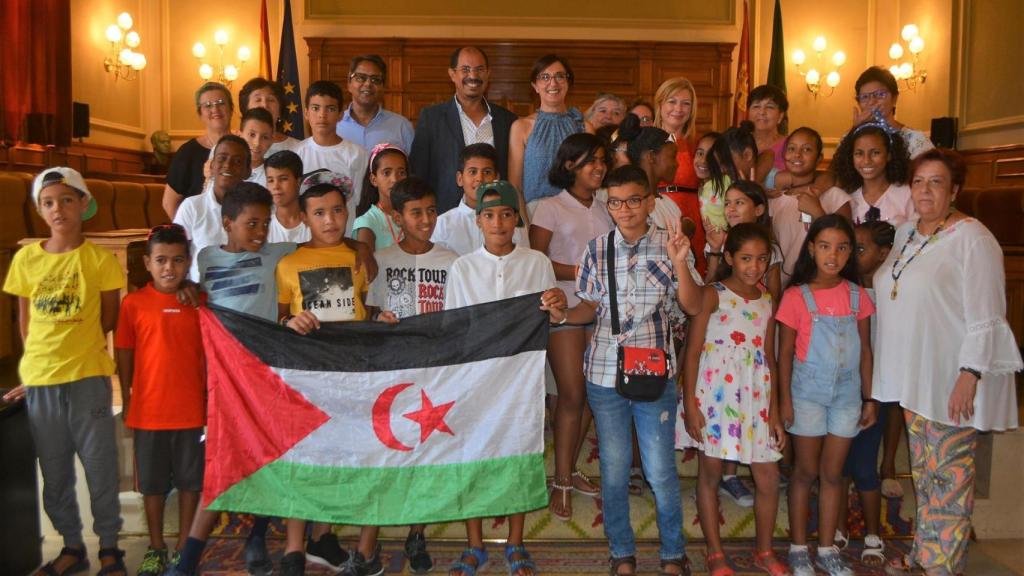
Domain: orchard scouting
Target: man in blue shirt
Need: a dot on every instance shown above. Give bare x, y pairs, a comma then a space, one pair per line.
366, 122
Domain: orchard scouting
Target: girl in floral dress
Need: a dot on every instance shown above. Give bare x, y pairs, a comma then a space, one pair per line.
730, 406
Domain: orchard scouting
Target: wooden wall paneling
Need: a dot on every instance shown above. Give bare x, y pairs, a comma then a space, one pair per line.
1013, 261
418, 70
995, 167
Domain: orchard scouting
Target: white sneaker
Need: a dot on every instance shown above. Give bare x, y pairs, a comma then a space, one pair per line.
831, 561
800, 561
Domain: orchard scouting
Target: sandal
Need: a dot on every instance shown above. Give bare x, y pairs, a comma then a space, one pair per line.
873, 554
565, 512
523, 562
615, 563
891, 488
467, 569
902, 567
117, 566
636, 482
722, 569
584, 485
81, 563
682, 563
768, 562
840, 540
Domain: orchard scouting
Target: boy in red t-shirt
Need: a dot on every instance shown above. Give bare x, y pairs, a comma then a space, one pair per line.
163, 385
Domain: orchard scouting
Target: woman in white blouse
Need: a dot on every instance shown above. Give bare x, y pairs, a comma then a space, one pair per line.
945, 352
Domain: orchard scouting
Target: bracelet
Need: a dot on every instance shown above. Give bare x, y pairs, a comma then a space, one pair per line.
971, 371
285, 319
565, 317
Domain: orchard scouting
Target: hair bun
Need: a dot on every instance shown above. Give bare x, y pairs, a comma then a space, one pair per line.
747, 126
629, 129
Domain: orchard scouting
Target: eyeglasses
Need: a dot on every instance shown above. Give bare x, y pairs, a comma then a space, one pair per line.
557, 77
869, 96
211, 104
361, 78
632, 202
873, 215
466, 70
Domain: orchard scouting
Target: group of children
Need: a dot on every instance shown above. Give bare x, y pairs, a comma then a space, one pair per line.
273, 237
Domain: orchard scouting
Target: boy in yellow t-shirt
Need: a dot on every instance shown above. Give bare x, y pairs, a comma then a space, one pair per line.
68, 297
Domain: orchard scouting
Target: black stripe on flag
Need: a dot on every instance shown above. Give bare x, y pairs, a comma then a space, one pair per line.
492, 330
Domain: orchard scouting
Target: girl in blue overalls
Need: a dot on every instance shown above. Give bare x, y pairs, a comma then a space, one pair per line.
824, 375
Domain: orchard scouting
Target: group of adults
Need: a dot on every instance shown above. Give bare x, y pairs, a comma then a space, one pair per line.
944, 349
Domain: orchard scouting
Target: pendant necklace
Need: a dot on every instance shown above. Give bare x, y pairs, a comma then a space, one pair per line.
913, 232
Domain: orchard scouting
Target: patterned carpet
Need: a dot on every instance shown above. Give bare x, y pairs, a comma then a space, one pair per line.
224, 557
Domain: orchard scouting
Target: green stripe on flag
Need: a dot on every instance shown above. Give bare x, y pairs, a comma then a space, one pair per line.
391, 496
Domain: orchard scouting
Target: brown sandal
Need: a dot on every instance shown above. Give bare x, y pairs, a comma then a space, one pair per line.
682, 563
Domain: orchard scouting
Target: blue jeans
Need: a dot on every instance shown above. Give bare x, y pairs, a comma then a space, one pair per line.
655, 430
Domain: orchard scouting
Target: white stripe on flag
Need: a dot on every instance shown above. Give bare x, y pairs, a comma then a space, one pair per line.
493, 399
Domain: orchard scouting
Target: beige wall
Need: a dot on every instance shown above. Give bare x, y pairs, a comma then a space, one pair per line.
989, 97
982, 95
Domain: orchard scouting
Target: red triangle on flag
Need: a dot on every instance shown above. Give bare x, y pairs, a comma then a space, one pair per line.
253, 415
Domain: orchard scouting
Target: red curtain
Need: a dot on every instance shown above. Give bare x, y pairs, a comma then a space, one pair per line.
35, 79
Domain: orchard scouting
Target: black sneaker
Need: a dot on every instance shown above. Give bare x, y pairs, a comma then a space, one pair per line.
416, 552
293, 564
359, 566
326, 552
256, 560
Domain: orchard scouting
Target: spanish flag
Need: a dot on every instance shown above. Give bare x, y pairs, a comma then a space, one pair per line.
435, 419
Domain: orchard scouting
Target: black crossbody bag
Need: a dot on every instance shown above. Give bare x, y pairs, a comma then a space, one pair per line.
642, 373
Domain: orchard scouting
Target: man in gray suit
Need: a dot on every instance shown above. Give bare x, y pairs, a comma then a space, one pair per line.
443, 130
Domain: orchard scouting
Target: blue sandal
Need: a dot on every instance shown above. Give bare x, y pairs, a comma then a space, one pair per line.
81, 564
523, 562
479, 554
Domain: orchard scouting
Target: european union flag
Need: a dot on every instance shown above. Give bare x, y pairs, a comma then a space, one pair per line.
288, 77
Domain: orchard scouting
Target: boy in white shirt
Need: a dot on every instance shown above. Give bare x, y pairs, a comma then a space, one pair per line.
457, 229
325, 149
257, 129
284, 172
201, 215
501, 269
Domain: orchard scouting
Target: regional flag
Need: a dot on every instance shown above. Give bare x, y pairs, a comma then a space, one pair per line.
288, 78
739, 105
438, 418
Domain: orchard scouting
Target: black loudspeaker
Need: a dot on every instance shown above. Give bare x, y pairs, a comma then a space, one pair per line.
944, 132
79, 120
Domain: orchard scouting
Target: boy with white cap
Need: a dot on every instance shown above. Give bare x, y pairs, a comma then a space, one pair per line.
68, 298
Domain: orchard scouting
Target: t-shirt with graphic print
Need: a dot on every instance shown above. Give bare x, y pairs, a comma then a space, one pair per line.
324, 281
65, 337
410, 284
243, 281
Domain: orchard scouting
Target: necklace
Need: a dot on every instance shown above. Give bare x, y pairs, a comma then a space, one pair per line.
913, 232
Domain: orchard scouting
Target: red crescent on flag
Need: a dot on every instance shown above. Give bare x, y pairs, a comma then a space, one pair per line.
382, 417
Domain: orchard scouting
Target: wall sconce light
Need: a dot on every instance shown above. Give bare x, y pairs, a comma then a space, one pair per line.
812, 77
225, 74
910, 71
124, 62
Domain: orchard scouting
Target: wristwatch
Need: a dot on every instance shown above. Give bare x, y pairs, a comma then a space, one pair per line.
971, 371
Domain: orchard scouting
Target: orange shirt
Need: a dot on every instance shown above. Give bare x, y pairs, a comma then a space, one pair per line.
169, 381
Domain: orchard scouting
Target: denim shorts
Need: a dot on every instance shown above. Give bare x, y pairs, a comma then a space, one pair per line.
813, 419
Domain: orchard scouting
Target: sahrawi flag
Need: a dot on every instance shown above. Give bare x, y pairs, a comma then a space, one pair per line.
437, 418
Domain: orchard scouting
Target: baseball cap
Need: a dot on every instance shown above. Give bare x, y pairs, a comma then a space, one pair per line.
68, 177
507, 195
324, 177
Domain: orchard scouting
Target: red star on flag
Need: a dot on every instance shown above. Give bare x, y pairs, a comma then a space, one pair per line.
430, 417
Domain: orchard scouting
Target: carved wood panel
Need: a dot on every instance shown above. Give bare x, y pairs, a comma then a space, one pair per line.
418, 70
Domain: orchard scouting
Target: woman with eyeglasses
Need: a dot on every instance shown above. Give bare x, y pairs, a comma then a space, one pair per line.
877, 89
185, 177
534, 140
945, 352
871, 165
262, 93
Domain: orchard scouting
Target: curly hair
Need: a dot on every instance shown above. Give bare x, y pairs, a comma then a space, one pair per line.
897, 167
